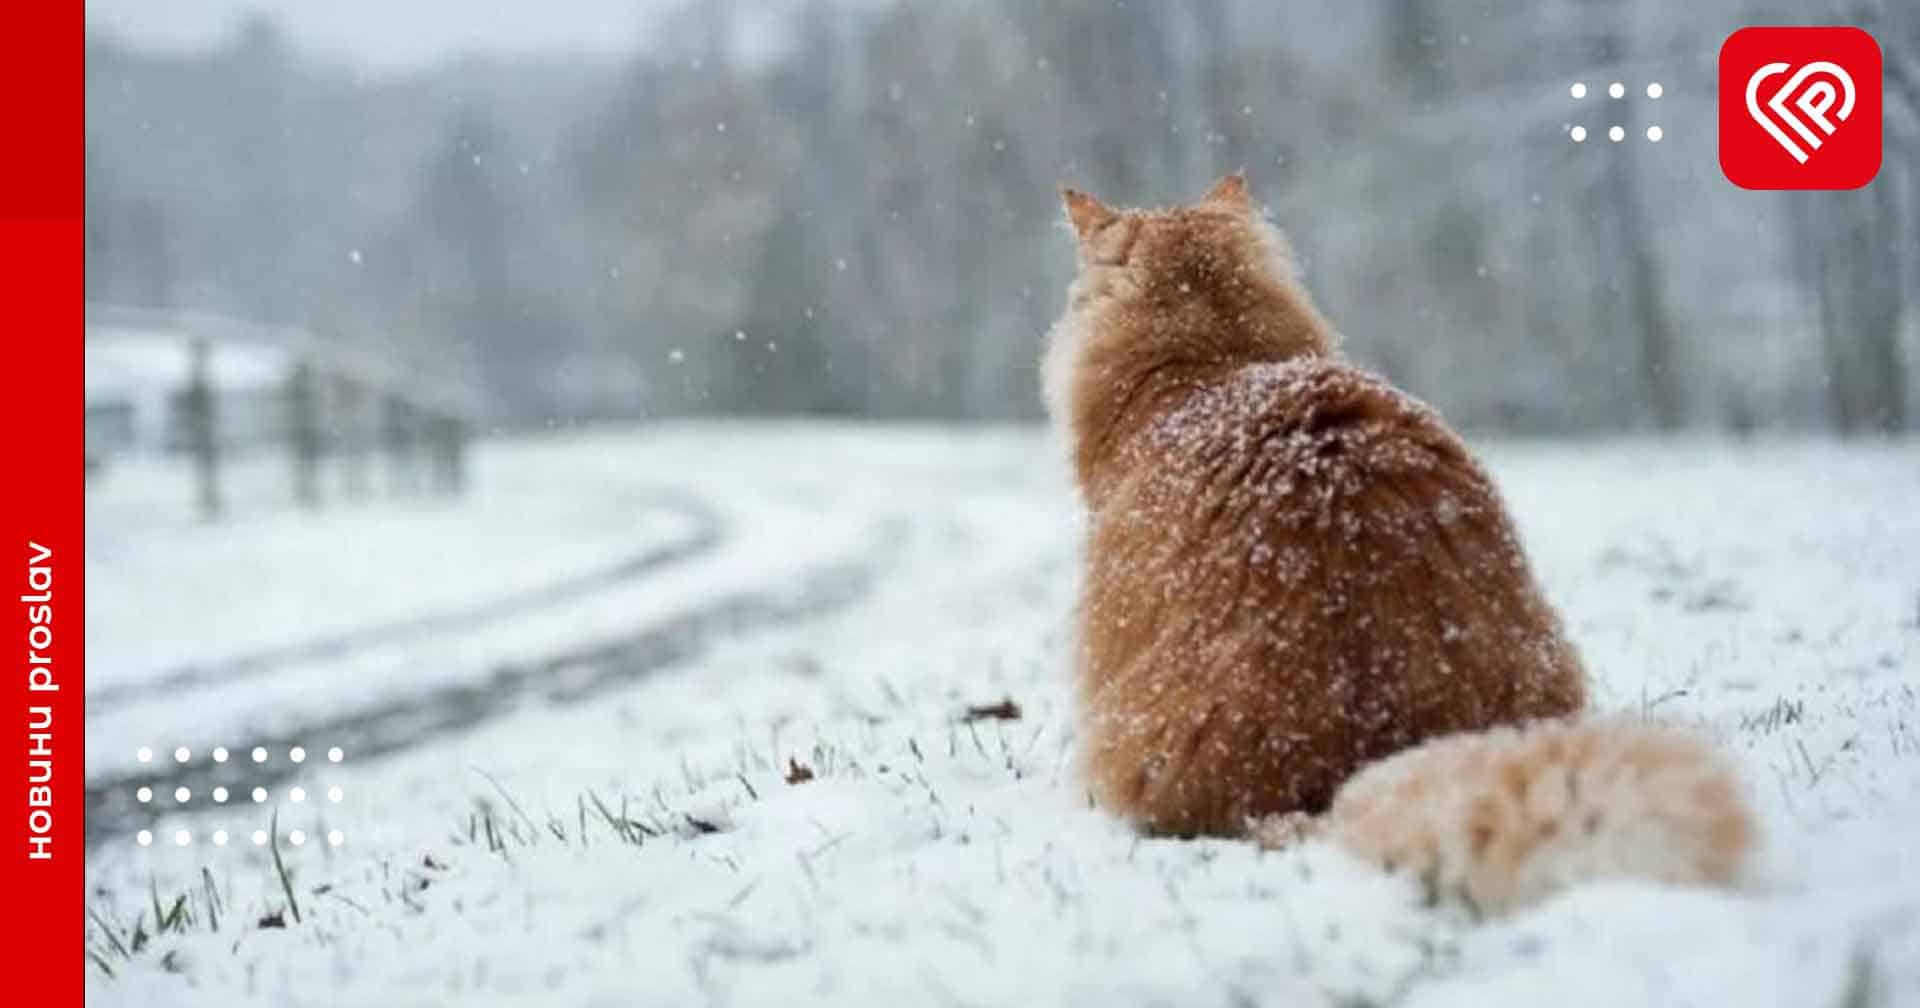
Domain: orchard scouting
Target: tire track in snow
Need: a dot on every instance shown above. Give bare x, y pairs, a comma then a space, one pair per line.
567, 677
706, 534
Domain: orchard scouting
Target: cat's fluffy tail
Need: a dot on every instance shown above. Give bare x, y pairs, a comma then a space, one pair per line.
1506, 817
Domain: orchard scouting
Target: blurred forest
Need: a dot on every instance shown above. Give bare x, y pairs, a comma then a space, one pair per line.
858, 214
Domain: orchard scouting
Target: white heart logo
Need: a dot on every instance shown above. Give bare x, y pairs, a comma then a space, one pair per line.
1814, 101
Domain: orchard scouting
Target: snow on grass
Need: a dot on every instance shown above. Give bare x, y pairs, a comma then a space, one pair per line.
647, 847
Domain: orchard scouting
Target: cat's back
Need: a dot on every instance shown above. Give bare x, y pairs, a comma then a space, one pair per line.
1316, 557
1315, 493
1314, 446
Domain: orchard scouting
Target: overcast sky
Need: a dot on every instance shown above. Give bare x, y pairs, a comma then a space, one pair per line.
389, 33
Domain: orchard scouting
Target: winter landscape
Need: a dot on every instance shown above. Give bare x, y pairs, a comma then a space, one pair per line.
820, 752
569, 521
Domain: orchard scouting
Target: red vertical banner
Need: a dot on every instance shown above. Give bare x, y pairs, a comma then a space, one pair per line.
42, 498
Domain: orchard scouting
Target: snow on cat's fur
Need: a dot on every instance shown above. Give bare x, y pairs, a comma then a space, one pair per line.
1293, 569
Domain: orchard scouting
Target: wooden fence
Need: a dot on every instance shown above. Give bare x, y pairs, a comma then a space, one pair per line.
325, 405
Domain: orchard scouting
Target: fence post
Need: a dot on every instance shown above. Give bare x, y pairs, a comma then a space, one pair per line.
398, 435
199, 417
303, 434
449, 434
350, 434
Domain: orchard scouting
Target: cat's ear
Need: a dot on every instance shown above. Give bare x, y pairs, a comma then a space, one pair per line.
1087, 213
1231, 190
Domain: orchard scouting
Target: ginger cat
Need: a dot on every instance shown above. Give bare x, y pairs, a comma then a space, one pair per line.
1293, 569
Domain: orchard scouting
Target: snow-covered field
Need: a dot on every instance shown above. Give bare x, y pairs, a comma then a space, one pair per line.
571, 777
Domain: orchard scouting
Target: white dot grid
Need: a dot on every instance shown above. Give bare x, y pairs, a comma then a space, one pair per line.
183, 795
1616, 90
220, 837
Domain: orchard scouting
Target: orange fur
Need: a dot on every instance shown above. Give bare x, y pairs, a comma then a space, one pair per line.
1293, 569
1503, 818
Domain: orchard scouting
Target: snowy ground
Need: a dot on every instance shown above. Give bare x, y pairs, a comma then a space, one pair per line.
579, 795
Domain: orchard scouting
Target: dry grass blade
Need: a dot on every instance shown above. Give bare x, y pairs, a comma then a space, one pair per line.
106, 930
280, 867
213, 899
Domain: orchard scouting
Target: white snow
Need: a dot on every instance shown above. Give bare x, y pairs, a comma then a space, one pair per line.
126, 361
1770, 593
170, 590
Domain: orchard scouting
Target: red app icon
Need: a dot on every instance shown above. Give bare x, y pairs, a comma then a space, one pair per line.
1800, 108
